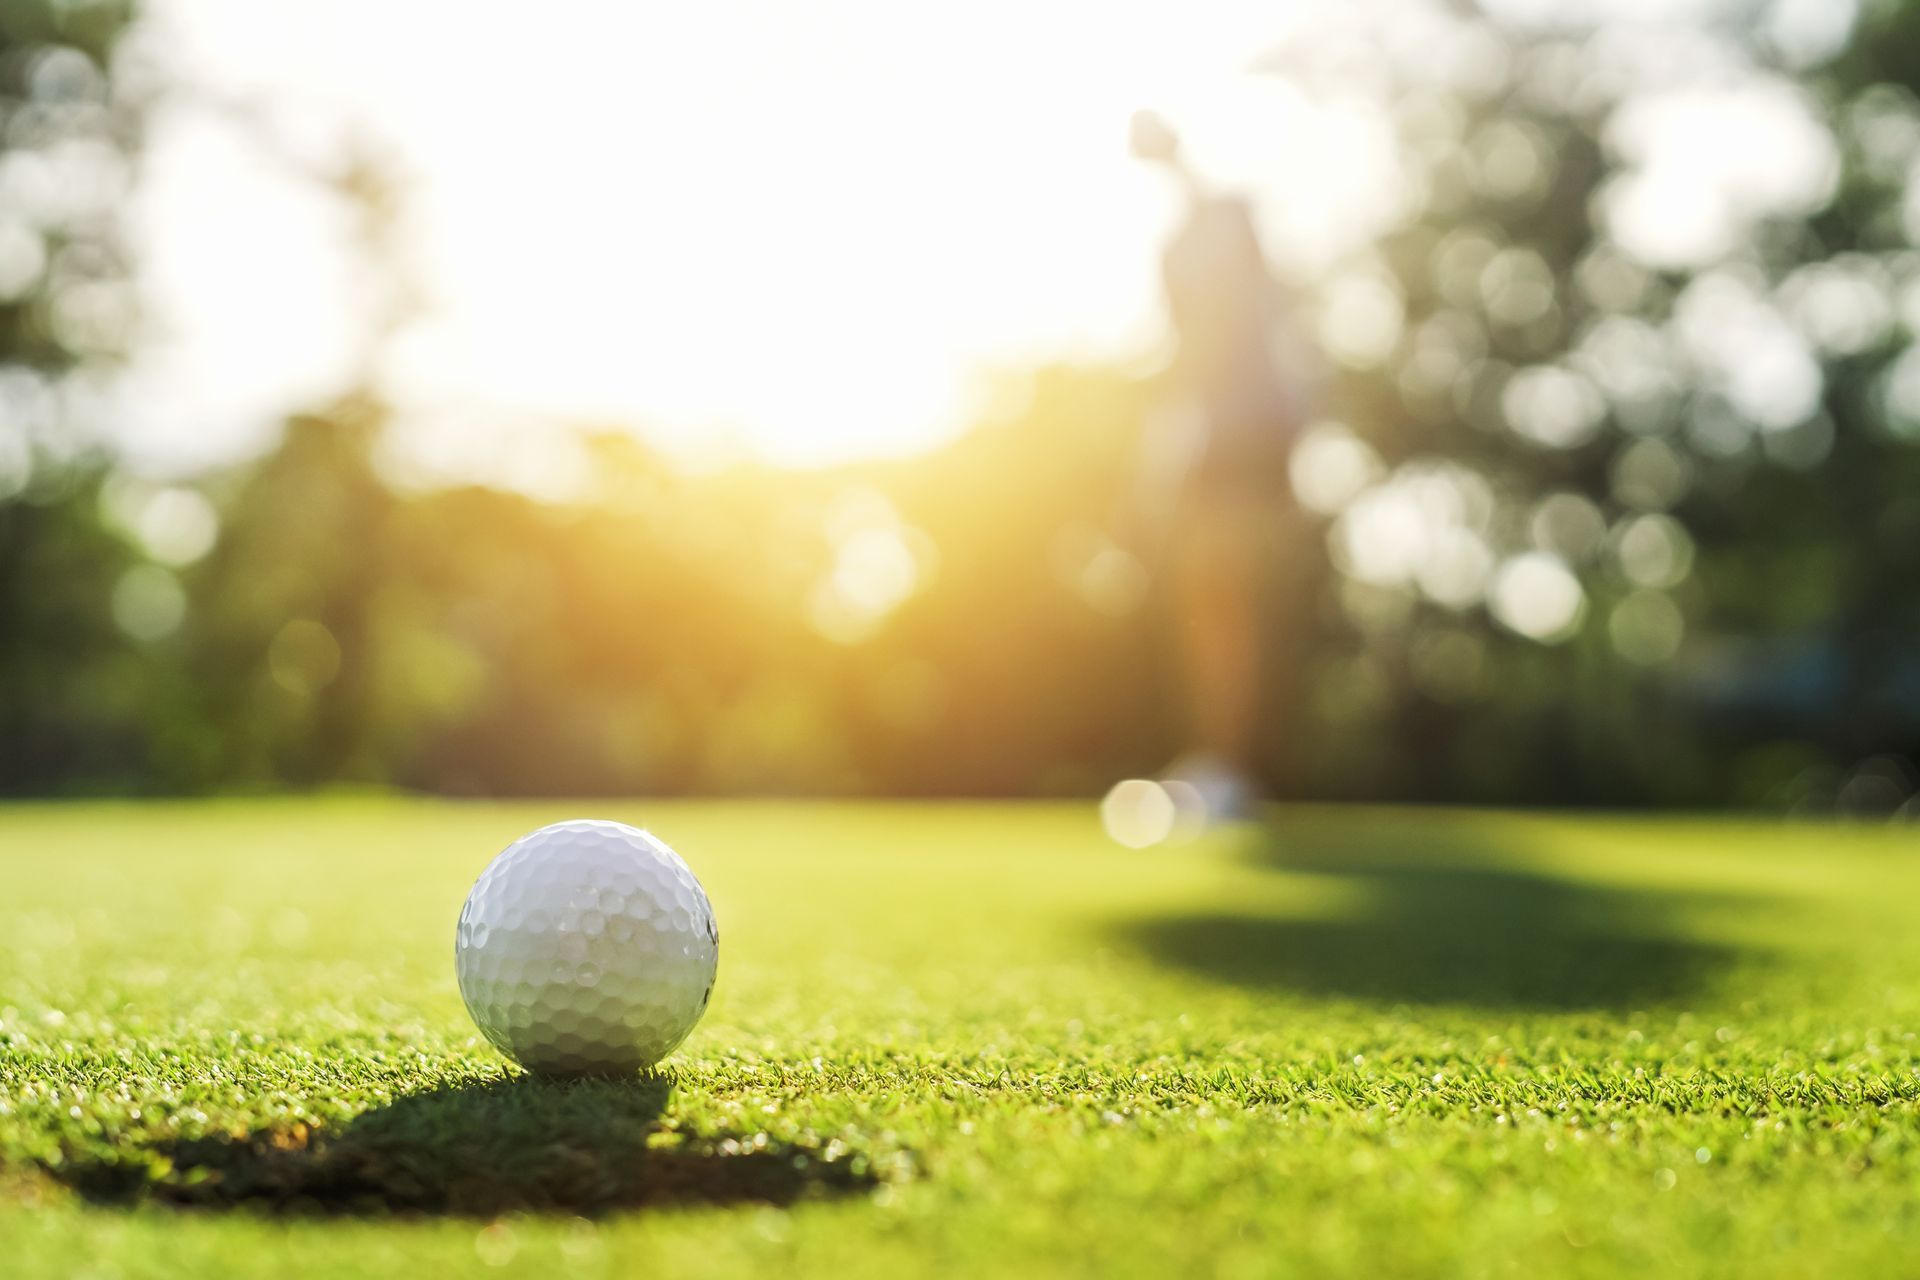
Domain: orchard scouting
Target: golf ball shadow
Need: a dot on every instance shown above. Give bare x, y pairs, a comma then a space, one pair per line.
477, 1150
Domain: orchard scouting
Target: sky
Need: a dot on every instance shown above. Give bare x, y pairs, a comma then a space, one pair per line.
808, 232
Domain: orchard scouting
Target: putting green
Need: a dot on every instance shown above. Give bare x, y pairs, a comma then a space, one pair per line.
975, 1039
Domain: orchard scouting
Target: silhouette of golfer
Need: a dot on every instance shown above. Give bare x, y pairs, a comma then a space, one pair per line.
1216, 464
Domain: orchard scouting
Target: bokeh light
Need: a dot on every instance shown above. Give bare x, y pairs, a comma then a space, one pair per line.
1537, 596
1139, 813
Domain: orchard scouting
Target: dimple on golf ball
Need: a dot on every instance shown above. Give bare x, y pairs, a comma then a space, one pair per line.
586, 947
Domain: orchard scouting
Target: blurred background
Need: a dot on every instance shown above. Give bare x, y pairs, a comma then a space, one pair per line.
752, 398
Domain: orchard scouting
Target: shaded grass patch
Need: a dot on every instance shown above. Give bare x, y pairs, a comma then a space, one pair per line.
581, 1147
1443, 920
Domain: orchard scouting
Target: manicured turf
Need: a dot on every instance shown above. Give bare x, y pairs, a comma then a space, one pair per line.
977, 1040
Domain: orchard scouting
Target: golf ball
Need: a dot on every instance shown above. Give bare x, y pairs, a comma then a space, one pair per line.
586, 947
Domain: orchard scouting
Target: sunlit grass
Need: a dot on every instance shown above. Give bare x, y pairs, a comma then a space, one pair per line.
976, 1039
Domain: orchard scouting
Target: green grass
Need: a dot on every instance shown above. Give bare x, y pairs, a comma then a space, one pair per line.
977, 1040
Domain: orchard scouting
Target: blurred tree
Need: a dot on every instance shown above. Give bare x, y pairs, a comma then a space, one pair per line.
280, 636
75, 695
1640, 523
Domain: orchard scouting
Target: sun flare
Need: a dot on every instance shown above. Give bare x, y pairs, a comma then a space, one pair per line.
807, 234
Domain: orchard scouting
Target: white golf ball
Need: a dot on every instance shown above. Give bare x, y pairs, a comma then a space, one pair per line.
586, 947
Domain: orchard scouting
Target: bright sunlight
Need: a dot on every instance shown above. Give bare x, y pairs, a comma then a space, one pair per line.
740, 228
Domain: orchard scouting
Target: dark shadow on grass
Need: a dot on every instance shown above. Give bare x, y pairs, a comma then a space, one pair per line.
584, 1147
1443, 918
